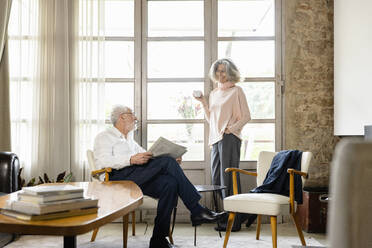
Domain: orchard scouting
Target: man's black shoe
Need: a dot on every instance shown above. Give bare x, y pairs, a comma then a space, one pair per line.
160, 243
206, 216
221, 227
251, 219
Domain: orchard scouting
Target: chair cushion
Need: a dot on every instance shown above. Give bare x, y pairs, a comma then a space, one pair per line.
149, 203
257, 203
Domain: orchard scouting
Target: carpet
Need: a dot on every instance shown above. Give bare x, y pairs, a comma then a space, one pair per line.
140, 241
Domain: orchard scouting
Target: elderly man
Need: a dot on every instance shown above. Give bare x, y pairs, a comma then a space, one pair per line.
160, 178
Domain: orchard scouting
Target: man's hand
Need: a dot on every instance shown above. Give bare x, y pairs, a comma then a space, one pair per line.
179, 160
140, 158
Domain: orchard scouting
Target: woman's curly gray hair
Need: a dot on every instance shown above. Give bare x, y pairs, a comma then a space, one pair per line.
232, 72
118, 110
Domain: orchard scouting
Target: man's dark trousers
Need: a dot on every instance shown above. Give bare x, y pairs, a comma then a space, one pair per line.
161, 178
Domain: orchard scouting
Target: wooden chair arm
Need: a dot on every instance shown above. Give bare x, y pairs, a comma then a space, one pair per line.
291, 186
234, 177
106, 170
303, 174
241, 171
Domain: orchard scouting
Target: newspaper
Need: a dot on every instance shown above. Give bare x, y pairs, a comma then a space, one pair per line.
164, 147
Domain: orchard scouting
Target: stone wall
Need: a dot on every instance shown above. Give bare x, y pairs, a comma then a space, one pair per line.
309, 83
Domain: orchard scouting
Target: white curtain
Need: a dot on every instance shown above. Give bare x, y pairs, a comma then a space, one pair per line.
89, 88
58, 94
23, 36
5, 6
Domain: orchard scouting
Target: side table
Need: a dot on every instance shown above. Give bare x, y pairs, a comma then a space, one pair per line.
214, 189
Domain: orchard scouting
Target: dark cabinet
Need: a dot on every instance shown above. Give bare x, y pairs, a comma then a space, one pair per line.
312, 213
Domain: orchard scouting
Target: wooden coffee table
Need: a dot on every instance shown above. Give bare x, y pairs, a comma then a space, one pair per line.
115, 199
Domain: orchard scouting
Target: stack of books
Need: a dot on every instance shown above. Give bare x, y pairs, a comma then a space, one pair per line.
50, 202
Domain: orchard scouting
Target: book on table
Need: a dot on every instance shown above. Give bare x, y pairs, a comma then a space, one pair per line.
63, 214
22, 196
50, 207
52, 189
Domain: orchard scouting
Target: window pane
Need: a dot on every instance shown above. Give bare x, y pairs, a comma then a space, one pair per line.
21, 100
176, 59
106, 18
254, 58
175, 18
257, 137
22, 58
23, 18
246, 18
118, 59
119, 18
261, 99
118, 93
188, 135
173, 101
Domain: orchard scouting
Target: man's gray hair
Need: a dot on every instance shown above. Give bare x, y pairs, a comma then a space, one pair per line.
232, 72
118, 110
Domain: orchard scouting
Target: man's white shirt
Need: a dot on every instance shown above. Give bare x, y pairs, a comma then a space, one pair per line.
112, 149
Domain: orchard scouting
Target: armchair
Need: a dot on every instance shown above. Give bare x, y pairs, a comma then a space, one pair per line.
148, 202
9, 169
264, 203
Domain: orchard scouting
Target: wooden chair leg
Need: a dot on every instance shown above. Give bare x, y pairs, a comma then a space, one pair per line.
94, 235
273, 230
299, 230
125, 230
230, 223
258, 227
133, 223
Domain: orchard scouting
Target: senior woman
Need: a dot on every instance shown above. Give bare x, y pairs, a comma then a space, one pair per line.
227, 112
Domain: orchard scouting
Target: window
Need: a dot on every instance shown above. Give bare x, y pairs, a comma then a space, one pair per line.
246, 33
151, 54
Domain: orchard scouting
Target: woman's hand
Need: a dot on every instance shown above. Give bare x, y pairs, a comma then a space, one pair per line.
200, 99
141, 158
227, 130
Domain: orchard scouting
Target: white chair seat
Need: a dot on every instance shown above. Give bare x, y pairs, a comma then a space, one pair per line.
257, 203
148, 203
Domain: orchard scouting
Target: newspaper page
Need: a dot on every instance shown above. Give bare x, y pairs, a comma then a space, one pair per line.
164, 147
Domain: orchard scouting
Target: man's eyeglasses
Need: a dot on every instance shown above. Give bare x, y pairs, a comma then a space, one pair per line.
130, 113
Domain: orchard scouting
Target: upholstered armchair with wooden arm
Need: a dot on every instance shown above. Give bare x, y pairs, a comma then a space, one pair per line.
148, 202
265, 203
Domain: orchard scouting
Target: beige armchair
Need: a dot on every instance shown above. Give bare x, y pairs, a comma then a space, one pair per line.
264, 203
148, 202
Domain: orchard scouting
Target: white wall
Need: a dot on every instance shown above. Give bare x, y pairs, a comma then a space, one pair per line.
353, 66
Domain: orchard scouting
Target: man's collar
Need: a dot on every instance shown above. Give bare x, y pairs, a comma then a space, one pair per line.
117, 133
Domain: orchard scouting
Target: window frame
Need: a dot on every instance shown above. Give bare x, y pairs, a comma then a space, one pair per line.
211, 40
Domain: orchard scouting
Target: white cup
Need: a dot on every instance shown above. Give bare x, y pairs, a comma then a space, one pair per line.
197, 93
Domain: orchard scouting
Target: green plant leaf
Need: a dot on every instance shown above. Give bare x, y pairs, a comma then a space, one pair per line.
31, 182
41, 181
60, 177
21, 181
67, 179
46, 178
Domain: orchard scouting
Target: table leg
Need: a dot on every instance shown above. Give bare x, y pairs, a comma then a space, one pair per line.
69, 241
125, 230
195, 236
216, 209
